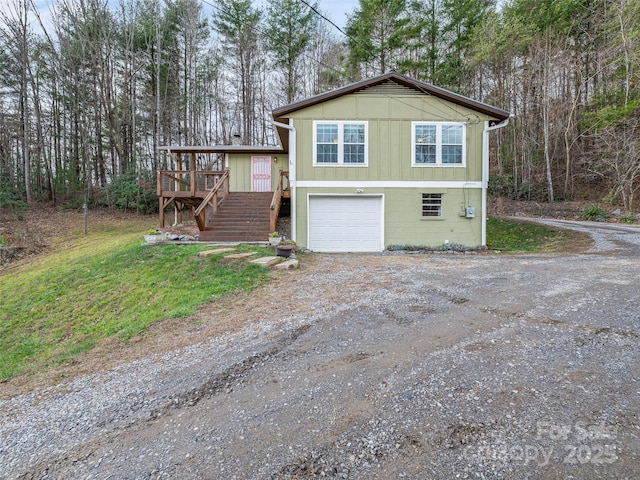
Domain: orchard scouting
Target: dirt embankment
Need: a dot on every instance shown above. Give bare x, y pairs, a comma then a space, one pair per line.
38, 228
515, 208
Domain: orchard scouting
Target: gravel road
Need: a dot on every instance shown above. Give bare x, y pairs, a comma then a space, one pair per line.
416, 366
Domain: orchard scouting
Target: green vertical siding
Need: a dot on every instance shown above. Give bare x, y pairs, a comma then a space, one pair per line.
389, 119
389, 123
403, 221
240, 171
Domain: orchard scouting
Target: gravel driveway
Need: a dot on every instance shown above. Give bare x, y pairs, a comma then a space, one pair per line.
417, 366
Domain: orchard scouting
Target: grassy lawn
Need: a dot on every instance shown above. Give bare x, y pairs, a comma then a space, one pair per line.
105, 284
511, 236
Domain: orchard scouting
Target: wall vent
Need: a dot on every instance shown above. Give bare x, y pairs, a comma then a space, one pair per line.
390, 88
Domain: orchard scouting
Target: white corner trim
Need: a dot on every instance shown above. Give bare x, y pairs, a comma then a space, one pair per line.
292, 171
485, 171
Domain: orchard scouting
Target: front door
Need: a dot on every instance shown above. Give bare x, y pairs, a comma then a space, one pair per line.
260, 174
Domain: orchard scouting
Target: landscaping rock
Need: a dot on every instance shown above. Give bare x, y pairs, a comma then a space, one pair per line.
290, 264
215, 251
182, 238
266, 261
153, 239
236, 256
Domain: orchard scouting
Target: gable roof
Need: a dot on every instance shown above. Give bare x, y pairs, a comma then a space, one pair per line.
281, 114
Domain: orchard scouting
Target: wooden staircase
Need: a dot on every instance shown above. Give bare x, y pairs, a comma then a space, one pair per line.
241, 217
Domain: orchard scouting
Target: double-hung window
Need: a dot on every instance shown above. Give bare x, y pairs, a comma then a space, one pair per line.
340, 143
436, 143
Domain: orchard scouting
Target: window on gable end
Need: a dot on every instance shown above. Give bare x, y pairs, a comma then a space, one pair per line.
340, 143
438, 144
326, 143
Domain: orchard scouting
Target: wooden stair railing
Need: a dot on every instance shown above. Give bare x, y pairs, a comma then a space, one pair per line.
188, 188
199, 213
276, 201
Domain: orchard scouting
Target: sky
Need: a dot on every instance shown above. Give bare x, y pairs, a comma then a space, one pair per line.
335, 10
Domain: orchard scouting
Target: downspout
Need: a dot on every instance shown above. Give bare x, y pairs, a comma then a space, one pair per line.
485, 171
292, 172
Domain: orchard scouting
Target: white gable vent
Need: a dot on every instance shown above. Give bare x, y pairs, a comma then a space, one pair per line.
390, 88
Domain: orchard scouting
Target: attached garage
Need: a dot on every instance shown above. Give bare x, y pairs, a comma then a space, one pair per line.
346, 223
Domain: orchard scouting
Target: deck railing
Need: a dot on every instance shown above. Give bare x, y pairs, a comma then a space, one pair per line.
193, 188
212, 198
276, 201
183, 186
187, 183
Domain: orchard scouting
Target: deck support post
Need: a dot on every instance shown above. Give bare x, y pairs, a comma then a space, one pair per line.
178, 217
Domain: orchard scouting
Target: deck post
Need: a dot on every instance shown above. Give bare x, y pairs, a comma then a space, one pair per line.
161, 212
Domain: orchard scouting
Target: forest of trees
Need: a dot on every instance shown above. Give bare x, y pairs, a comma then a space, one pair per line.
87, 96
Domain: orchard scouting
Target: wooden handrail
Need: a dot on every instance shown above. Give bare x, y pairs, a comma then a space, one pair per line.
213, 192
276, 201
277, 195
184, 178
186, 187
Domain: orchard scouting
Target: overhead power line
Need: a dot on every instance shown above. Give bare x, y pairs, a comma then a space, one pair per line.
355, 40
325, 18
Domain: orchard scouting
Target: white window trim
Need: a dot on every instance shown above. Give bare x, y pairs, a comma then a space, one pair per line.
440, 215
341, 124
439, 126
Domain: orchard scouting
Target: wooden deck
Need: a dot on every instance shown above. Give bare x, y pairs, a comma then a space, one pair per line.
196, 190
221, 215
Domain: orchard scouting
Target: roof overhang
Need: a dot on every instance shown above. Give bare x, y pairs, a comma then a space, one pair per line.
248, 149
280, 114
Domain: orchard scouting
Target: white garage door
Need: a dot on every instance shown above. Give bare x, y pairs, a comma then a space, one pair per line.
345, 223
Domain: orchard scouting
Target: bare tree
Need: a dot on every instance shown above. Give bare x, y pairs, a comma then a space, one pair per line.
237, 23
18, 37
